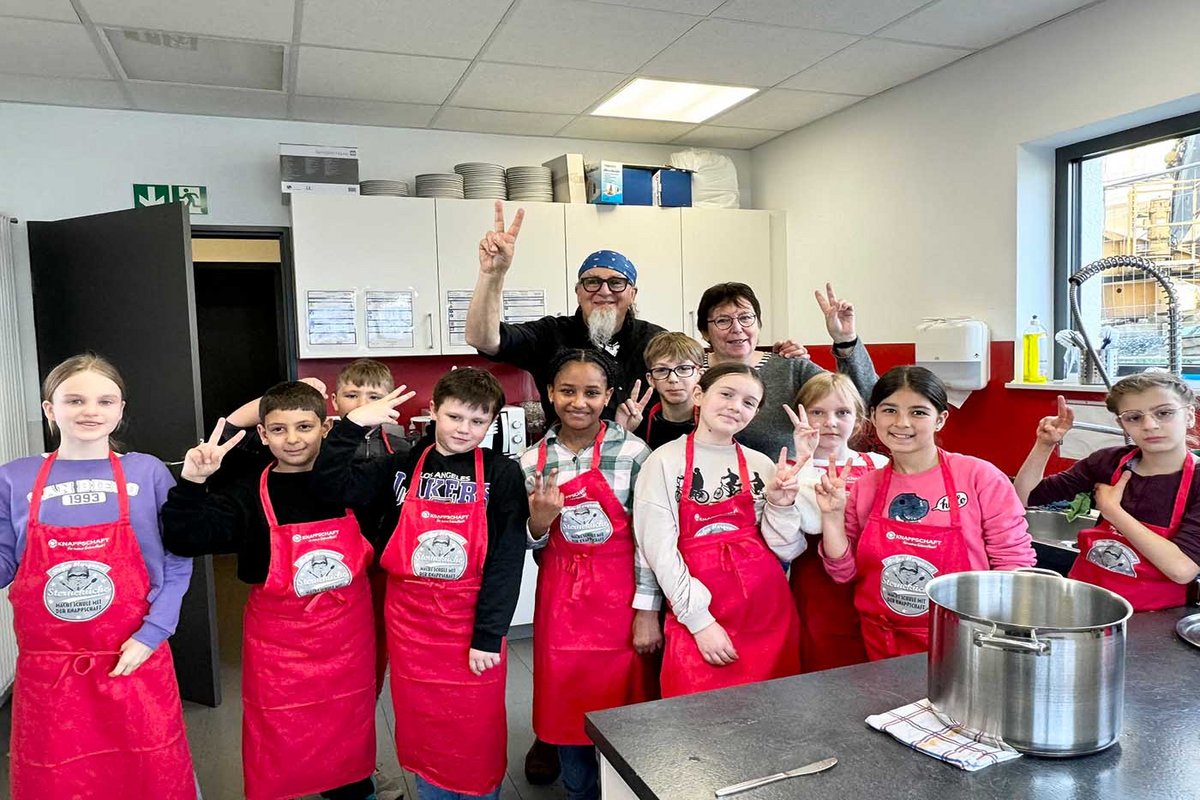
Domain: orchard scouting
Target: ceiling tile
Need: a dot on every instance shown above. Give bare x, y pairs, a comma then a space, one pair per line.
376, 76
175, 58
977, 23
362, 112
416, 27
846, 16
49, 49
699, 7
261, 19
565, 33
512, 87
872, 65
60, 10
62, 91
486, 121
207, 100
625, 130
729, 138
783, 109
743, 53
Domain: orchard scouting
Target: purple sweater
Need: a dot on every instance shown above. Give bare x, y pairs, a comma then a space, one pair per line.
91, 482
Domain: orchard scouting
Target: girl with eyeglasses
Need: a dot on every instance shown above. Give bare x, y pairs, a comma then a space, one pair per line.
1146, 545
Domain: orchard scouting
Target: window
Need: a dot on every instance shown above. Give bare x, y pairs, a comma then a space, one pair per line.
1134, 193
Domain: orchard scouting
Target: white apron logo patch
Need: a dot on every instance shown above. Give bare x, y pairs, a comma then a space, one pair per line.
78, 591
441, 555
585, 523
1114, 556
716, 527
902, 584
319, 571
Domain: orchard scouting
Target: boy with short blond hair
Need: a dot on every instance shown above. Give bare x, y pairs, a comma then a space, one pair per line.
673, 362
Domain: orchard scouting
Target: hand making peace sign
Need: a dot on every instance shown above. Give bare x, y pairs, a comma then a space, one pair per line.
382, 410
545, 503
497, 245
804, 436
831, 491
629, 413
1051, 430
784, 484
205, 458
839, 315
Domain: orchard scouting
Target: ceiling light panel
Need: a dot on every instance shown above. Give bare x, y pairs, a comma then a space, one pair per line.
179, 58
671, 101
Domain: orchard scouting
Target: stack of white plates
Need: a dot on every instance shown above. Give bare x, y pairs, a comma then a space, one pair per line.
482, 181
384, 188
530, 183
440, 185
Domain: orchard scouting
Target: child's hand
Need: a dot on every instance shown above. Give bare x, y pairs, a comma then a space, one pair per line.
647, 633
1052, 430
133, 655
784, 485
480, 661
545, 502
804, 436
716, 646
629, 413
497, 246
317, 384
381, 411
1108, 498
204, 459
831, 491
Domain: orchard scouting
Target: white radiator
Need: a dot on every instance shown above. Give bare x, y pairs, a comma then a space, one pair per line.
13, 443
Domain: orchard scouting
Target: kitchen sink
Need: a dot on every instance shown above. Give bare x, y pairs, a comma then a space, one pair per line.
1055, 538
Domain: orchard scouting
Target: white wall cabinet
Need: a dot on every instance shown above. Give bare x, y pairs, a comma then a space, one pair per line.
536, 284
380, 249
719, 246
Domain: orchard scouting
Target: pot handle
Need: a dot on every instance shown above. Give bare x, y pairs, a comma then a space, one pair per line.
1039, 571
995, 641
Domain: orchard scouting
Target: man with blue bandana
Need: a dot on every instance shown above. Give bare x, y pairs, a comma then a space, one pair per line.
605, 289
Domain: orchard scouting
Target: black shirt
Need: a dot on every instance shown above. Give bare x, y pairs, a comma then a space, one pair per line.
532, 346
342, 478
658, 431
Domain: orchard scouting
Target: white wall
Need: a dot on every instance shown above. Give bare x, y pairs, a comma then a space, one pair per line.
58, 162
935, 198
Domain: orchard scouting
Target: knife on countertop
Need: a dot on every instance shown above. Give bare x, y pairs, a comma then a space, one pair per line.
807, 769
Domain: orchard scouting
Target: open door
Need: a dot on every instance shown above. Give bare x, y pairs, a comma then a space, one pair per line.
120, 284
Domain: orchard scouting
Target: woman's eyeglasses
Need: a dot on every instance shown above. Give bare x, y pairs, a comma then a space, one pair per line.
1164, 414
683, 371
725, 323
615, 285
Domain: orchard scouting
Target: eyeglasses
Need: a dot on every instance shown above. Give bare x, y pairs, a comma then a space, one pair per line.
682, 371
725, 323
1164, 415
615, 285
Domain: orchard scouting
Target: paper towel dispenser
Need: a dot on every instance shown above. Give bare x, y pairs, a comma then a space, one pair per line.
957, 350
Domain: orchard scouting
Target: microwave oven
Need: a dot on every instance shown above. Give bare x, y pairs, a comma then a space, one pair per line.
507, 434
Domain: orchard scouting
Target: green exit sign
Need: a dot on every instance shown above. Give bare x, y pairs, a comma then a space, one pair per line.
158, 194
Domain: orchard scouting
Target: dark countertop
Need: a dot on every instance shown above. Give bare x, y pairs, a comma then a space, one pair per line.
686, 747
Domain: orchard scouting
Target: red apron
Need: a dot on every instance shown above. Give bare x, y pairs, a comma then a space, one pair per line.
895, 560
723, 549
78, 595
1108, 559
583, 656
308, 661
453, 730
830, 632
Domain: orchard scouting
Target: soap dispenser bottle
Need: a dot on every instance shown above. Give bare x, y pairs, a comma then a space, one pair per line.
1035, 353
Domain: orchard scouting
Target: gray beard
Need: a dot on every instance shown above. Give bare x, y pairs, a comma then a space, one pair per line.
602, 326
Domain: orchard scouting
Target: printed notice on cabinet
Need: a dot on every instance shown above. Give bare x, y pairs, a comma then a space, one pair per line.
390, 319
331, 316
524, 305
457, 303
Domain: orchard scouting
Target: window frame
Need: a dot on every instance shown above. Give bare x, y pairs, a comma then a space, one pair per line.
1068, 177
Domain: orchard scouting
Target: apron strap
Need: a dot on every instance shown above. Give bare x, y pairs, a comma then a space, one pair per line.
39, 486
264, 497
654, 409
43, 476
1125, 459
1185, 487
383, 437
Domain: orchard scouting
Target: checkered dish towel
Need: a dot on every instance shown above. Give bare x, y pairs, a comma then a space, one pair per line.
921, 728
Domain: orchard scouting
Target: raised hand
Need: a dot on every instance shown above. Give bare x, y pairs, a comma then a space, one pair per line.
839, 315
545, 502
1108, 498
204, 459
831, 491
497, 246
383, 410
629, 413
715, 645
784, 485
1052, 430
804, 436
317, 384
790, 349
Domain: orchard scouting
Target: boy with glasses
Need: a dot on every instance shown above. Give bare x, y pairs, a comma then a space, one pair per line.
672, 371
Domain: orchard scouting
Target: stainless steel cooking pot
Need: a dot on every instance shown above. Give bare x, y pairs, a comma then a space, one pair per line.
1029, 656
